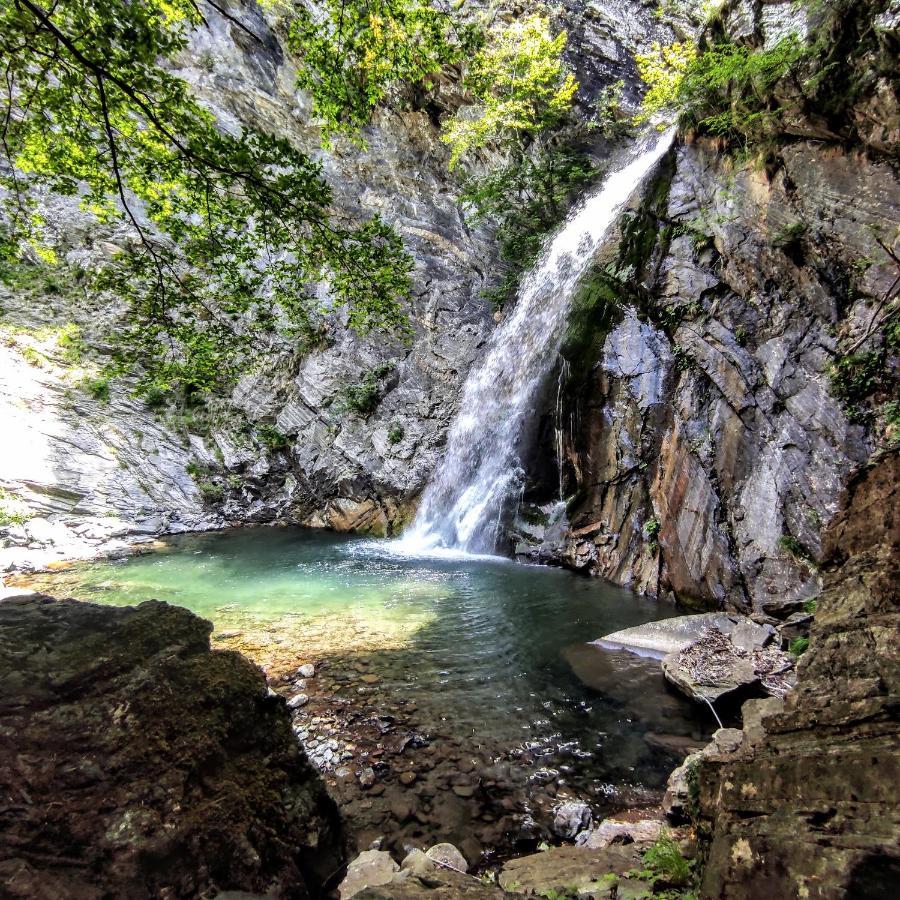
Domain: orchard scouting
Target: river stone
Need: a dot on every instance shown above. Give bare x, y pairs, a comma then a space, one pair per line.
298, 700
747, 635
665, 636
571, 818
370, 868
447, 855
307, 670
612, 831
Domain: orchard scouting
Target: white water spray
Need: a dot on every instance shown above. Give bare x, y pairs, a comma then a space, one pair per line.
462, 505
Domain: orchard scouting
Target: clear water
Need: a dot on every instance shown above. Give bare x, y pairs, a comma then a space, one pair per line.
480, 472
489, 650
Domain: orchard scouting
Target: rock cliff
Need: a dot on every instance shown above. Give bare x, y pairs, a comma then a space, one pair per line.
807, 806
696, 418
701, 440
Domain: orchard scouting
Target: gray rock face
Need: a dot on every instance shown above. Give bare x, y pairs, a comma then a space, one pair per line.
708, 456
666, 636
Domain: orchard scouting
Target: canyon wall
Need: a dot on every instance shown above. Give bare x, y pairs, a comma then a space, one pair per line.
696, 418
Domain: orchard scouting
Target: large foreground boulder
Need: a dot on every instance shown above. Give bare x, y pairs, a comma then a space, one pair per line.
136, 762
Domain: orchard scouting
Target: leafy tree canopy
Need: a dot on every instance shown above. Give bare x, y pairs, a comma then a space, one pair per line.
521, 84
229, 232
351, 53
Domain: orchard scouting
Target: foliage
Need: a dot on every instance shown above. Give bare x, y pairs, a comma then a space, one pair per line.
665, 861
364, 396
12, 510
663, 69
796, 548
69, 340
521, 86
726, 90
798, 646
527, 197
352, 52
810, 606
610, 119
854, 376
97, 387
272, 438
652, 528
228, 230
395, 434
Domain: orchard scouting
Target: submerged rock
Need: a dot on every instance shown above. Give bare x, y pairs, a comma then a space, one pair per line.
447, 855
139, 763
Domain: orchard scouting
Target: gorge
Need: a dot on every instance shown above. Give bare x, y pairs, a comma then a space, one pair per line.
644, 371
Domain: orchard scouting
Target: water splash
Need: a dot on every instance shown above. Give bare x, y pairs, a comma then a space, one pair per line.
462, 505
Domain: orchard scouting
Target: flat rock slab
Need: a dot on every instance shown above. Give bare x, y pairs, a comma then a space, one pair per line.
657, 639
442, 884
565, 868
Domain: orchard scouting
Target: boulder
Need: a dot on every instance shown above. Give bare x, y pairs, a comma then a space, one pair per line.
130, 743
370, 868
641, 833
567, 869
571, 818
446, 855
714, 666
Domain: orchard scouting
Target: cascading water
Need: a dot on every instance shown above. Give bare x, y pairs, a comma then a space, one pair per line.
463, 503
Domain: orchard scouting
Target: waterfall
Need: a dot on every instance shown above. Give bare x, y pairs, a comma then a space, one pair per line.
462, 505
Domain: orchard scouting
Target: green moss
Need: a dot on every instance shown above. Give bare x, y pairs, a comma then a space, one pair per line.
395, 434
798, 646
797, 549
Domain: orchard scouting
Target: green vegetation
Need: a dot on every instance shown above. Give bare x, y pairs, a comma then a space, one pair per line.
97, 387
651, 530
364, 396
228, 229
12, 510
210, 489
69, 340
797, 549
855, 375
272, 438
798, 646
523, 92
527, 197
395, 434
726, 89
520, 83
355, 52
811, 606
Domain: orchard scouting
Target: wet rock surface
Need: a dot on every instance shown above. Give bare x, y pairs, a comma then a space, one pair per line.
135, 762
807, 803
